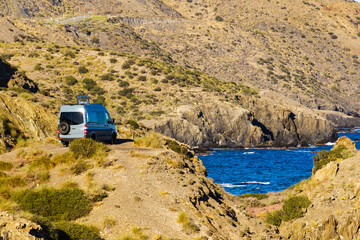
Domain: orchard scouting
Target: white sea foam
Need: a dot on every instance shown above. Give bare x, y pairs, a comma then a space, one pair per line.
230, 185
330, 144
260, 183
248, 152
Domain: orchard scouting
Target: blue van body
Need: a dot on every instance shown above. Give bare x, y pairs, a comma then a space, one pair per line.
85, 121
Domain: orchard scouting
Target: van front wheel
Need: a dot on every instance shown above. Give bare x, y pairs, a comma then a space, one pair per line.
113, 139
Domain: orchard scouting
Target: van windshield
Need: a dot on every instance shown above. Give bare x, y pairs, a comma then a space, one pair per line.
73, 118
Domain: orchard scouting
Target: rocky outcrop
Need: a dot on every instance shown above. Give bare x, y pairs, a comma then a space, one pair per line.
334, 193
22, 118
10, 77
342, 120
12, 228
252, 122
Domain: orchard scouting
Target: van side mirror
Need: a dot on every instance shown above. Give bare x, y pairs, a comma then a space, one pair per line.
113, 121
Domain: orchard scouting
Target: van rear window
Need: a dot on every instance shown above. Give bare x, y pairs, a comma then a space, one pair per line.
74, 118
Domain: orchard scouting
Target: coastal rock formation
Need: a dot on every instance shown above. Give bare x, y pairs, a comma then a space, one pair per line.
13, 228
334, 193
252, 122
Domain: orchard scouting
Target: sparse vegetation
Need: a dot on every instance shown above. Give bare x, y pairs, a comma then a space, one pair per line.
70, 80
187, 224
152, 140
5, 166
291, 209
87, 148
56, 204
83, 70
176, 147
258, 196
324, 157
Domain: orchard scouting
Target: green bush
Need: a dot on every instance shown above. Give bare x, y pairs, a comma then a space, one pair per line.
33, 54
324, 157
141, 78
127, 64
107, 76
69, 54
70, 80
113, 60
38, 67
123, 83
258, 196
66, 230
82, 70
173, 145
88, 83
100, 100
5, 166
274, 218
219, 19
133, 124
291, 209
127, 92
75, 231
86, 148
13, 181
56, 204
79, 167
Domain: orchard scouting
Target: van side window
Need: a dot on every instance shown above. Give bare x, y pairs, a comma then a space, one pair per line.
92, 118
108, 118
100, 117
73, 118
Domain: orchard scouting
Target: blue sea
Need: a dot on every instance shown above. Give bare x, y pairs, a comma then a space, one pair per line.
255, 170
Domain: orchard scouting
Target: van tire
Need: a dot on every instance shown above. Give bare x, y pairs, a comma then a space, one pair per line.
64, 128
113, 139
93, 136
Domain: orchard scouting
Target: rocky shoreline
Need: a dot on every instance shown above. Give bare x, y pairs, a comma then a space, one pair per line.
252, 122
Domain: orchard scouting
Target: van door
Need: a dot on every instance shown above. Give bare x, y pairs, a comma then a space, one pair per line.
92, 124
76, 122
102, 125
108, 126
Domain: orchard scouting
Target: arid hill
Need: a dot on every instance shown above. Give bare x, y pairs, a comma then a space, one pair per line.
306, 50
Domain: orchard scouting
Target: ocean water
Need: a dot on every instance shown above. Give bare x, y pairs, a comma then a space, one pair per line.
254, 170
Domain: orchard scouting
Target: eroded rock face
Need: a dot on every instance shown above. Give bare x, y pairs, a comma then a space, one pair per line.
19, 117
10, 77
13, 228
250, 123
334, 191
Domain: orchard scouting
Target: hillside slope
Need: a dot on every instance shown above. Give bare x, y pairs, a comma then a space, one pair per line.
273, 46
180, 102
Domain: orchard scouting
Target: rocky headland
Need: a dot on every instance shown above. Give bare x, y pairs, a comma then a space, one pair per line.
250, 122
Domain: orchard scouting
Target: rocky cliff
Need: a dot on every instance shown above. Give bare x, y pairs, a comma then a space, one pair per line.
22, 119
13, 228
334, 191
250, 122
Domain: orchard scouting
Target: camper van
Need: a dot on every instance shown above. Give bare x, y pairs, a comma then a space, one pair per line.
85, 120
